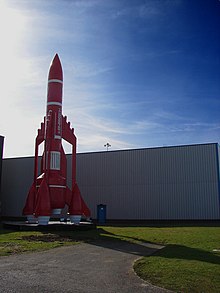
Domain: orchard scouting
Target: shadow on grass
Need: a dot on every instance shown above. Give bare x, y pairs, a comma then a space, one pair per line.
101, 237
98, 237
139, 249
174, 251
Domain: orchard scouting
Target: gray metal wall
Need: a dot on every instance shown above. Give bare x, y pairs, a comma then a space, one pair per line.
1, 154
158, 183
17, 177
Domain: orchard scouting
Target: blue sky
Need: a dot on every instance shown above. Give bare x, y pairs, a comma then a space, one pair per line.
136, 73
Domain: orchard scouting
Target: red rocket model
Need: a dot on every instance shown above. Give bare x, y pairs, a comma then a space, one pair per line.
49, 192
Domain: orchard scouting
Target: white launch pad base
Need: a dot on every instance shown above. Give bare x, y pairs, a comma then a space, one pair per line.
52, 226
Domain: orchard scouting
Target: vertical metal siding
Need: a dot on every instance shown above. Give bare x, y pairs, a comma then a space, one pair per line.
159, 183
17, 177
1, 154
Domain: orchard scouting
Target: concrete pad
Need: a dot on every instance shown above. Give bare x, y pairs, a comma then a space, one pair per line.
52, 226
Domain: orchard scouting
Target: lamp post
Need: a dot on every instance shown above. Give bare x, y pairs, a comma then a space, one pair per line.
107, 145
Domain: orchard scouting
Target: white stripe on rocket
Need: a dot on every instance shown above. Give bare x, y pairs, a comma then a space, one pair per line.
54, 103
55, 80
59, 186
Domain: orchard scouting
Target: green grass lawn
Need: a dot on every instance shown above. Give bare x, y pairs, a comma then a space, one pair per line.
19, 242
186, 264
12, 242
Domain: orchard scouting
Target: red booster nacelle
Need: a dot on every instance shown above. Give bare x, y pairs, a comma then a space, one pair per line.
49, 192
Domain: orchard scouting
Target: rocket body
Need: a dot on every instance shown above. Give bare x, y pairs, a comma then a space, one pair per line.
53, 137
49, 192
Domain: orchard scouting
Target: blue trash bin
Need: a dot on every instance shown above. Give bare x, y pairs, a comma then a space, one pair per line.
101, 213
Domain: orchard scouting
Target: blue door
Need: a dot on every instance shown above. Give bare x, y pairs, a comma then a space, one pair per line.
101, 213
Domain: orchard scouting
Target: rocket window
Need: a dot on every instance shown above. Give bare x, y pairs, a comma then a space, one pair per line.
55, 160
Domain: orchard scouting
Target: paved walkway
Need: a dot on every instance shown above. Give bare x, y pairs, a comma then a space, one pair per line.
98, 267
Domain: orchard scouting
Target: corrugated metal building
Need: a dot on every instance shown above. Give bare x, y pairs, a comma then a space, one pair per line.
166, 183
1, 153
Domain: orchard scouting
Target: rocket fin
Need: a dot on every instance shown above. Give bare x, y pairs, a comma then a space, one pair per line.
43, 206
77, 205
68, 132
85, 210
30, 201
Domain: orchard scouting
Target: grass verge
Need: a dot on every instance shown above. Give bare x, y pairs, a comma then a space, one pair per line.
188, 263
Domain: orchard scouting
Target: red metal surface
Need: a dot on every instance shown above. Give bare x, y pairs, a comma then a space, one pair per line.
49, 190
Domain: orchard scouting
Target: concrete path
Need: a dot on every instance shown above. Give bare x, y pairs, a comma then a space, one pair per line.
98, 267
